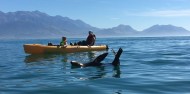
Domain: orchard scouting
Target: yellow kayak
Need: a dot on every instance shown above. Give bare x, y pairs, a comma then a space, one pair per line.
41, 49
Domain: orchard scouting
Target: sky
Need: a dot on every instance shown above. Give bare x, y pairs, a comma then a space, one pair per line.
139, 14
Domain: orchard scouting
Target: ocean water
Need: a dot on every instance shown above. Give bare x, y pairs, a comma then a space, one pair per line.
148, 66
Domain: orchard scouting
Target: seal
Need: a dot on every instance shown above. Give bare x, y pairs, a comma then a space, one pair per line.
97, 60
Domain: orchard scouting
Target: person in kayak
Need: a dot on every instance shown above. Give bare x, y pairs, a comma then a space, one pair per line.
97, 60
63, 42
90, 40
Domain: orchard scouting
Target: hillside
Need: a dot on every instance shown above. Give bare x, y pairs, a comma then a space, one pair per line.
35, 24
120, 30
165, 30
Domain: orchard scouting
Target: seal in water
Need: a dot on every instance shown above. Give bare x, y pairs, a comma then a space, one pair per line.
97, 61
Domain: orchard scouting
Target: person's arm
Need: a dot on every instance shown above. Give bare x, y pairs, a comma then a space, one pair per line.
91, 44
94, 36
65, 43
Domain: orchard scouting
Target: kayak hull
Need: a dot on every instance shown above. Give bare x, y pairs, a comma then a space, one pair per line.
41, 49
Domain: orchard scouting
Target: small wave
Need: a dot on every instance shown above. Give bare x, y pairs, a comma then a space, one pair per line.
160, 62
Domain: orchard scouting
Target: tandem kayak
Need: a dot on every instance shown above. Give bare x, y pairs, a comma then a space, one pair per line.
41, 49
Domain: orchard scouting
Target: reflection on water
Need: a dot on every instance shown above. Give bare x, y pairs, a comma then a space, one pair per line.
92, 73
116, 71
85, 56
37, 58
91, 55
43, 57
99, 73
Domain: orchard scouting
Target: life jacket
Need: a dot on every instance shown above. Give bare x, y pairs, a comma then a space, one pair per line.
63, 43
90, 39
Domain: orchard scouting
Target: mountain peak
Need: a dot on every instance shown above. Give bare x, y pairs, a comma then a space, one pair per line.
36, 24
125, 28
165, 30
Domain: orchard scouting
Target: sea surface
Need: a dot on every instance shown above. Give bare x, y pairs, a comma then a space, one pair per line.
149, 65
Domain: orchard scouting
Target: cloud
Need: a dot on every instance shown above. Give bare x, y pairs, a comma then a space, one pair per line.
169, 13
165, 13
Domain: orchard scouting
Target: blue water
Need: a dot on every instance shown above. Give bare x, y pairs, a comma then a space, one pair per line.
148, 66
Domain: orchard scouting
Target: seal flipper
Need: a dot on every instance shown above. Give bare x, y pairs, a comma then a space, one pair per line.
117, 56
100, 58
97, 61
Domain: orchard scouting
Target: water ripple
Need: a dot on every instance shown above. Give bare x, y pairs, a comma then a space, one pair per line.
148, 66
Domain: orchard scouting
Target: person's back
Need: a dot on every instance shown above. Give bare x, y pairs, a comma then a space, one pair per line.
90, 39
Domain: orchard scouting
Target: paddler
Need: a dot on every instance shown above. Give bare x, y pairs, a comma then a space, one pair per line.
91, 39
63, 42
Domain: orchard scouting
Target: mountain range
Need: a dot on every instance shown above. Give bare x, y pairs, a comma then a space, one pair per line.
36, 24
